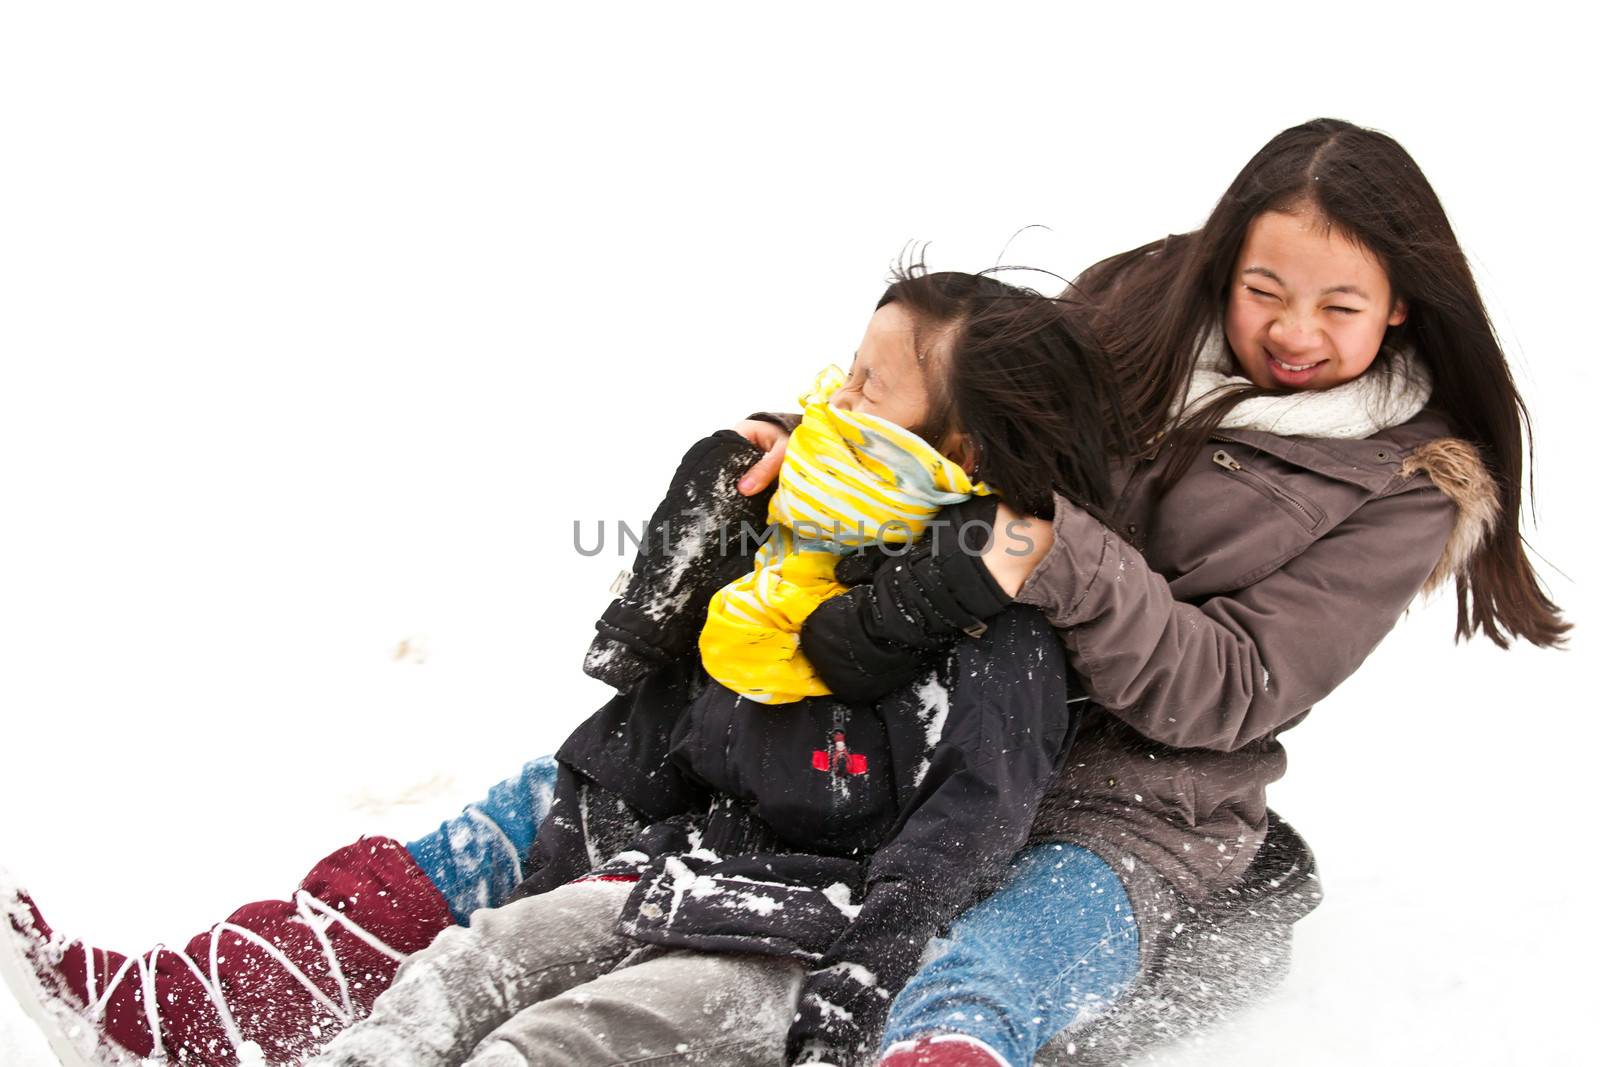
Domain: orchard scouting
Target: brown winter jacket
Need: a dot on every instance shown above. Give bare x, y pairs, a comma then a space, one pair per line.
1206, 622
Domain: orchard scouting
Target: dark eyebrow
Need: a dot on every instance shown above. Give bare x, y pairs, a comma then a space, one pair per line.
1265, 273
1353, 290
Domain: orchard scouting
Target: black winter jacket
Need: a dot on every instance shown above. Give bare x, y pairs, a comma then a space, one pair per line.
845, 830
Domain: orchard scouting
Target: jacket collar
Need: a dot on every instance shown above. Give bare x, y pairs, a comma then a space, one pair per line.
1373, 463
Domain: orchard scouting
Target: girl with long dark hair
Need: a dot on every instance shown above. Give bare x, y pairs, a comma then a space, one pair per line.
1325, 425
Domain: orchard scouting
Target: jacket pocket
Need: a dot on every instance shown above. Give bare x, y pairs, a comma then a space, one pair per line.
817, 771
1303, 511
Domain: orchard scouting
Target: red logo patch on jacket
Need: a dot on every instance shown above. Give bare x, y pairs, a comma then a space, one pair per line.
837, 758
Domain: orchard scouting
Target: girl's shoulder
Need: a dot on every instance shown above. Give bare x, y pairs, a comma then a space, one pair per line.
1382, 463
1256, 500
1454, 467
1427, 455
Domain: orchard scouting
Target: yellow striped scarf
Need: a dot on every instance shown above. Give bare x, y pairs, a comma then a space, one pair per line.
848, 480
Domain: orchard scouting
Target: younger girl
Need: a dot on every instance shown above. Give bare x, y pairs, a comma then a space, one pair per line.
836, 834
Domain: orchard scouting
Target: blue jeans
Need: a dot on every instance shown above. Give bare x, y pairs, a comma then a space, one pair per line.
1055, 945
475, 859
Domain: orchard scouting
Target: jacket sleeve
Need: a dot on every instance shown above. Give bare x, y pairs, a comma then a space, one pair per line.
783, 420
1008, 716
1234, 668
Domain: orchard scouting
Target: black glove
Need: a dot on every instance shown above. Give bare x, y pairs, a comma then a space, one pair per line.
838, 1018
861, 567
845, 1000
878, 636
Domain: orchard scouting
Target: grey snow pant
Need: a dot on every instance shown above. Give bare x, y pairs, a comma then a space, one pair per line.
543, 982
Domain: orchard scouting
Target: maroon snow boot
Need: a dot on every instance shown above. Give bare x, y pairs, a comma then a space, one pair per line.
272, 983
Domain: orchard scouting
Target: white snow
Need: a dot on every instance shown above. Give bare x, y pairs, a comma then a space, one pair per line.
856, 973
702, 887
760, 904
933, 701
839, 896
322, 326
685, 550
829, 1009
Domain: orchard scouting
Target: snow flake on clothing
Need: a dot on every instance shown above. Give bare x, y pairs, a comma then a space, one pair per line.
768, 903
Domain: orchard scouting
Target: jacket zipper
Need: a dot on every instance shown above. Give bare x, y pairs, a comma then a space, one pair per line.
838, 780
1221, 458
837, 749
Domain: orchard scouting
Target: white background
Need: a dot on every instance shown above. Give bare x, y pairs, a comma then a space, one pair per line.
320, 324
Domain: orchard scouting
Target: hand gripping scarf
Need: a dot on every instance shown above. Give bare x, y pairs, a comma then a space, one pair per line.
848, 481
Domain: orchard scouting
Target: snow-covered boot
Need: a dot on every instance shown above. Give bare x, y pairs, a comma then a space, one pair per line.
277, 978
942, 1050
271, 983
701, 537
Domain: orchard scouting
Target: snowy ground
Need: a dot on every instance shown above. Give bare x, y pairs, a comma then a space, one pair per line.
323, 326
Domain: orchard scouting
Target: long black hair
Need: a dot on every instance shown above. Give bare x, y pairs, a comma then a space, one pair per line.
1034, 398
1150, 307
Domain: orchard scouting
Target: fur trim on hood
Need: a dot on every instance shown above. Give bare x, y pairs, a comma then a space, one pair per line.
1458, 471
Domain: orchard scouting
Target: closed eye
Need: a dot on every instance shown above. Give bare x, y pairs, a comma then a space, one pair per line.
1253, 291
1345, 311
860, 378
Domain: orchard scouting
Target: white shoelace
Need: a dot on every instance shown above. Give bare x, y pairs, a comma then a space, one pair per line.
318, 916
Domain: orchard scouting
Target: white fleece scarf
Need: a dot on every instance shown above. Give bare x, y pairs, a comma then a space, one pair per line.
1357, 408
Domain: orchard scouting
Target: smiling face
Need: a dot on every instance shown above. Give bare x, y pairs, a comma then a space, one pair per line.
1307, 308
